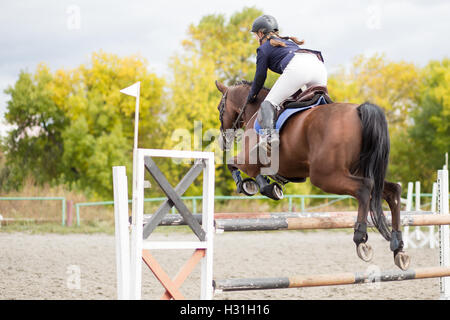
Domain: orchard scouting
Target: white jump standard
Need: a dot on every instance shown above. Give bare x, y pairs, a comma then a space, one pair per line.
140, 249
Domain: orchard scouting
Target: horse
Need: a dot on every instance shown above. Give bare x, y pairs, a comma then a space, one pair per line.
342, 147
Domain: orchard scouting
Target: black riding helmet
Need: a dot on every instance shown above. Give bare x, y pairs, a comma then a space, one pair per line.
265, 23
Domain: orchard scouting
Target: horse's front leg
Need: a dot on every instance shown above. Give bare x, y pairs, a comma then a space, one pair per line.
271, 190
246, 186
250, 186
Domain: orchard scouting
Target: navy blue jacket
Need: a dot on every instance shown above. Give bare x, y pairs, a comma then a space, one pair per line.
273, 58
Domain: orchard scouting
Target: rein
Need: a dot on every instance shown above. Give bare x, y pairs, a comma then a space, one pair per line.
238, 119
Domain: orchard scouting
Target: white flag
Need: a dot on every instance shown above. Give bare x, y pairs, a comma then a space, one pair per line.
132, 90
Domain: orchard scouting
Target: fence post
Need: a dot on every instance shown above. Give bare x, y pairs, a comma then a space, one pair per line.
77, 211
69, 205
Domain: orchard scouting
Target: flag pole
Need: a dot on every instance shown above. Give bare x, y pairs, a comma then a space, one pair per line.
135, 91
136, 116
135, 147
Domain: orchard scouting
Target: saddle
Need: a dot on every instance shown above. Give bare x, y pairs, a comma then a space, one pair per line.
306, 98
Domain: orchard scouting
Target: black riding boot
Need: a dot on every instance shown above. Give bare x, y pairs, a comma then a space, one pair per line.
269, 138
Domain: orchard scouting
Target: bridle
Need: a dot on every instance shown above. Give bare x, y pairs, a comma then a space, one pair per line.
238, 123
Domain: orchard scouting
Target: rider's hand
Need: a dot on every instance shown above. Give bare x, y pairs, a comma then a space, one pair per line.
251, 99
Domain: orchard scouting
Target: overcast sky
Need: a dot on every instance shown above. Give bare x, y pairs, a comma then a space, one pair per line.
63, 33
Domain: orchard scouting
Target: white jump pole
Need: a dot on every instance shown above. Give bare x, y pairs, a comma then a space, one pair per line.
207, 291
121, 233
431, 234
417, 231
409, 200
444, 233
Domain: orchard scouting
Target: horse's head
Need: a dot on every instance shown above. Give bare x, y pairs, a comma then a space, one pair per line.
228, 113
233, 113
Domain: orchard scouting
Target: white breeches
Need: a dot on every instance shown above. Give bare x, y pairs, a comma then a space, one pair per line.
304, 69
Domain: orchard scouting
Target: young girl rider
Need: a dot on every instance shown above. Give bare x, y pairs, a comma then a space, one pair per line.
298, 67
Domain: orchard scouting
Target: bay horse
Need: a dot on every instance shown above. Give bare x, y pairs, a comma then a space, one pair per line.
342, 147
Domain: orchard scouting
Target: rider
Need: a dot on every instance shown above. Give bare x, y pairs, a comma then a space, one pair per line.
298, 67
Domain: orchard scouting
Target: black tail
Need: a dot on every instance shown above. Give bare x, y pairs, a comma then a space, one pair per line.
374, 159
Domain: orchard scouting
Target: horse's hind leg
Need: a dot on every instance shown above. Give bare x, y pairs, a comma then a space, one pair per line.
358, 187
392, 193
360, 235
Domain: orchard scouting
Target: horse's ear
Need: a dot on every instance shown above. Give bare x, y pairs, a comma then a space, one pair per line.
222, 88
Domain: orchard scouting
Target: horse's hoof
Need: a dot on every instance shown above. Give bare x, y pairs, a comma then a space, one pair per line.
402, 260
277, 191
239, 187
364, 251
249, 187
272, 191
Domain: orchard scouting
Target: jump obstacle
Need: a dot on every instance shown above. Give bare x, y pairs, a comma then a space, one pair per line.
129, 264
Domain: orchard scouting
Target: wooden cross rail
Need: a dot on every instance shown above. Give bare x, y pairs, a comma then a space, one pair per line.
173, 197
172, 286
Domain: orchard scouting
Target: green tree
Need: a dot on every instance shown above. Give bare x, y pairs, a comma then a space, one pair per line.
228, 44
35, 146
427, 139
73, 126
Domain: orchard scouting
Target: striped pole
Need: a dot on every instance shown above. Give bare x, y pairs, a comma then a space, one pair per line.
338, 222
328, 279
177, 219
